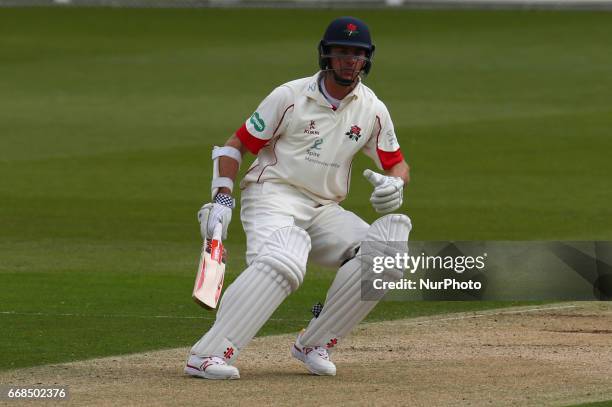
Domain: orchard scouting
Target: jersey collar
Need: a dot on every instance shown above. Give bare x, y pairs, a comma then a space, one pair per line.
313, 92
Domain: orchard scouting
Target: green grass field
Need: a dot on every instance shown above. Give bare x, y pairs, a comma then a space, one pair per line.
107, 118
596, 404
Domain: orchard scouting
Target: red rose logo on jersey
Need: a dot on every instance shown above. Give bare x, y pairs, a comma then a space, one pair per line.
354, 133
351, 29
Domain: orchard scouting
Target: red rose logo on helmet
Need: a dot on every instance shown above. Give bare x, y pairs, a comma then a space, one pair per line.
351, 29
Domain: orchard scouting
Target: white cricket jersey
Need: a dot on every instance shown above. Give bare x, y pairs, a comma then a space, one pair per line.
301, 140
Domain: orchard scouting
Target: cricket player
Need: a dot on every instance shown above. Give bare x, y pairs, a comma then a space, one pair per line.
305, 134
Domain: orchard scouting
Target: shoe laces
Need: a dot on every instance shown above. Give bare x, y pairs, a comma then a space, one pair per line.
322, 352
212, 360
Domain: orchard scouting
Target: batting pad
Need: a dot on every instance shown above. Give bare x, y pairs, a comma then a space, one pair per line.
343, 308
252, 298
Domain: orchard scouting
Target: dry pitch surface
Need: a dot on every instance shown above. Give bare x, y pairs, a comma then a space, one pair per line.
554, 355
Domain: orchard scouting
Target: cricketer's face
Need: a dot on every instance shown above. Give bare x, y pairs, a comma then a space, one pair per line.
347, 62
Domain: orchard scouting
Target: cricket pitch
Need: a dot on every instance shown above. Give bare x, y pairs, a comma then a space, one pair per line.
531, 356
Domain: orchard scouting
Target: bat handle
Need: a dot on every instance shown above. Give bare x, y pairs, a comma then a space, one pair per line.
217, 232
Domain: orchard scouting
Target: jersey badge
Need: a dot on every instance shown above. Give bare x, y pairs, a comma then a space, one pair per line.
258, 122
354, 133
311, 129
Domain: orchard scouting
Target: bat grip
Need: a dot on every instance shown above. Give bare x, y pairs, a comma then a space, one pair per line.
217, 231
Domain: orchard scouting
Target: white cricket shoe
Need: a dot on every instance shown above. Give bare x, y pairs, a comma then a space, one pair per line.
316, 359
211, 367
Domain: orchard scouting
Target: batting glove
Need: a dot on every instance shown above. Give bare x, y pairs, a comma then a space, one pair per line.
215, 212
388, 191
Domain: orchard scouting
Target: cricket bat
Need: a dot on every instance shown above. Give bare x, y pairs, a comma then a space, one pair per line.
209, 278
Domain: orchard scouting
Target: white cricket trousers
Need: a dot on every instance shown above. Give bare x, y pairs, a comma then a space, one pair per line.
280, 224
335, 233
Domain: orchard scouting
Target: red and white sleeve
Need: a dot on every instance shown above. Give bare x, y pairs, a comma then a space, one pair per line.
266, 121
383, 146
